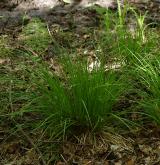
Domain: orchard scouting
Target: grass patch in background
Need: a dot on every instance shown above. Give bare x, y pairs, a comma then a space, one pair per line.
125, 30
35, 36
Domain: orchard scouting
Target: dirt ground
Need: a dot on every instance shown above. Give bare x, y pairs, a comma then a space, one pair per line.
13, 12
40, 4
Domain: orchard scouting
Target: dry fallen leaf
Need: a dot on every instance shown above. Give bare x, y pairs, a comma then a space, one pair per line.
145, 149
106, 163
4, 61
60, 163
118, 163
130, 162
87, 162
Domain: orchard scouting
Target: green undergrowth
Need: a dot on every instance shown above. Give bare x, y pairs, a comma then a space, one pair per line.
138, 46
127, 33
35, 36
5, 47
77, 101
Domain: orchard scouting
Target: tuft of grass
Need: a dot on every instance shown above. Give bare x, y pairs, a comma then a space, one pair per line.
81, 102
147, 71
137, 48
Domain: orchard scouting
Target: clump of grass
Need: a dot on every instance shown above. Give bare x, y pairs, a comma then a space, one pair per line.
148, 71
35, 36
137, 48
82, 102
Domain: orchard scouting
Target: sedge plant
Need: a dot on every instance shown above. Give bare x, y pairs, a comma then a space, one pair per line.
141, 27
80, 102
147, 71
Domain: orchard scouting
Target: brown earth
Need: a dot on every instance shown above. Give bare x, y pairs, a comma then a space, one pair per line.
12, 12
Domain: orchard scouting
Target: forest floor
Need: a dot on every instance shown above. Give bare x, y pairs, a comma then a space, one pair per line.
72, 30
